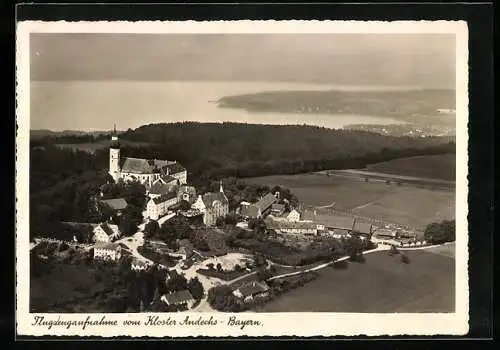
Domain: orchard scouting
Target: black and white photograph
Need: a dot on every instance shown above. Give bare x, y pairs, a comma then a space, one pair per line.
216, 177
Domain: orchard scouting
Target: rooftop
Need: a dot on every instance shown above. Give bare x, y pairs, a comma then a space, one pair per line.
331, 221
210, 197
178, 297
252, 288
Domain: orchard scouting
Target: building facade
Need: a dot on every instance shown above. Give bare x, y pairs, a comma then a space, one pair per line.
107, 251
145, 171
212, 205
159, 206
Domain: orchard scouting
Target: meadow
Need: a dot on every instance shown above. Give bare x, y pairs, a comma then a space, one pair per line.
433, 166
401, 204
383, 284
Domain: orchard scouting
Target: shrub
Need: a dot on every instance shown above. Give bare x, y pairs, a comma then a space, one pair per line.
341, 264
405, 259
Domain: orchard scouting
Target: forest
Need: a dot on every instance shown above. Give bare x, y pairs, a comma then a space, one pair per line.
63, 181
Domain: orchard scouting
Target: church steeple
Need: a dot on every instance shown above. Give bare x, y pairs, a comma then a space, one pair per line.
220, 187
114, 139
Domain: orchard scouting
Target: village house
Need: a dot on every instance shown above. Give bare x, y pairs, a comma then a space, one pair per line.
291, 227
187, 193
294, 215
259, 209
212, 205
159, 206
105, 233
160, 187
178, 298
252, 290
107, 251
362, 228
139, 265
330, 221
277, 209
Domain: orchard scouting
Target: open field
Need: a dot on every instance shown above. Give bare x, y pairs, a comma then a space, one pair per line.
381, 284
405, 205
437, 166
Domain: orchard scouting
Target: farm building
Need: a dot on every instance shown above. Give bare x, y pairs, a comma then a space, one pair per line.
330, 221
277, 209
259, 209
292, 227
107, 251
105, 233
139, 265
294, 215
362, 228
158, 206
179, 298
251, 290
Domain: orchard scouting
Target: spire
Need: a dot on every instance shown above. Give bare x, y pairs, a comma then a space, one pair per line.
114, 129
221, 189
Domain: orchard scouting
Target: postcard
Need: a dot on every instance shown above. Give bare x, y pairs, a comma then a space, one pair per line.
242, 178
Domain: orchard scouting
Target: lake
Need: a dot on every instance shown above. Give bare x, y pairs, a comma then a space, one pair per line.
97, 105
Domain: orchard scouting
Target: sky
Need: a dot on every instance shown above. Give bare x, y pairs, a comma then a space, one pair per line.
92, 81
357, 59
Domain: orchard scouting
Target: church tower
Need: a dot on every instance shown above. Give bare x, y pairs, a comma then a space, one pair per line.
114, 156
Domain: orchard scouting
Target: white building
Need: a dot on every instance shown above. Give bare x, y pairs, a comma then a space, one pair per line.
145, 171
107, 251
178, 298
212, 205
139, 265
105, 233
159, 206
293, 216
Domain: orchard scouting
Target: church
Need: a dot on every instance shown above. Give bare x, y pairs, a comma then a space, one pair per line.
149, 172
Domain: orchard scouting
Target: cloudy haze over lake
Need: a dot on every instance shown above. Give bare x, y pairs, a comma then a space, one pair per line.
90, 81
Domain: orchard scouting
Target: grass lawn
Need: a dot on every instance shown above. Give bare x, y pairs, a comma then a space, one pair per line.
381, 284
437, 167
406, 205
72, 288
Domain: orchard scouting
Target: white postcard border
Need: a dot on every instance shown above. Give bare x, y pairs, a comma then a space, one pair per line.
271, 324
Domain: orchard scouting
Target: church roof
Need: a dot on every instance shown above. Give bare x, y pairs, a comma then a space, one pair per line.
164, 197
149, 166
210, 197
137, 166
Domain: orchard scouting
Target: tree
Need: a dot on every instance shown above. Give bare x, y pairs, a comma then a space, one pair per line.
151, 229
184, 205
231, 219
195, 288
210, 266
258, 225
442, 232
219, 267
393, 250
221, 298
219, 222
127, 225
176, 282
